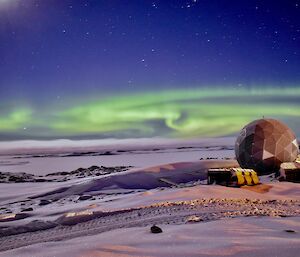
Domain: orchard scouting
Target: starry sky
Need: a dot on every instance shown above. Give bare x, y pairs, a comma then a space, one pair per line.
139, 68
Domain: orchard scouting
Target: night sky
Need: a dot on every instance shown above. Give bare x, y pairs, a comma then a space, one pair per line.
102, 69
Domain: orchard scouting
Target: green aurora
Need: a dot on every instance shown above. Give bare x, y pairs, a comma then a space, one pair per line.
170, 113
15, 119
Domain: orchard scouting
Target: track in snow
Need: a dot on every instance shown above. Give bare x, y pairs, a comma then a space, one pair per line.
163, 213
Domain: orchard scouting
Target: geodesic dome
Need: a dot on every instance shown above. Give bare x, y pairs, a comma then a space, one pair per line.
264, 144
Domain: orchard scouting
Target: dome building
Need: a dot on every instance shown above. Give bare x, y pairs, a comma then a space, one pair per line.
264, 144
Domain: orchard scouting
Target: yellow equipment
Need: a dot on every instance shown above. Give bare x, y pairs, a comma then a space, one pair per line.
255, 177
248, 177
233, 177
240, 178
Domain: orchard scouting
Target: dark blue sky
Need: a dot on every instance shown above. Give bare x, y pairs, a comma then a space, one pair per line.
59, 48
60, 59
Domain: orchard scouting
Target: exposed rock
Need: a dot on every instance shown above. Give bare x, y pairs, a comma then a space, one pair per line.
27, 209
194, 218
155, 229
8, 177
15, 179
44, 202
290, 231
84, 197
42, 180
92, 168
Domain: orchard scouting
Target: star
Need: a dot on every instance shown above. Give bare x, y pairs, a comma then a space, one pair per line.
154, 5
